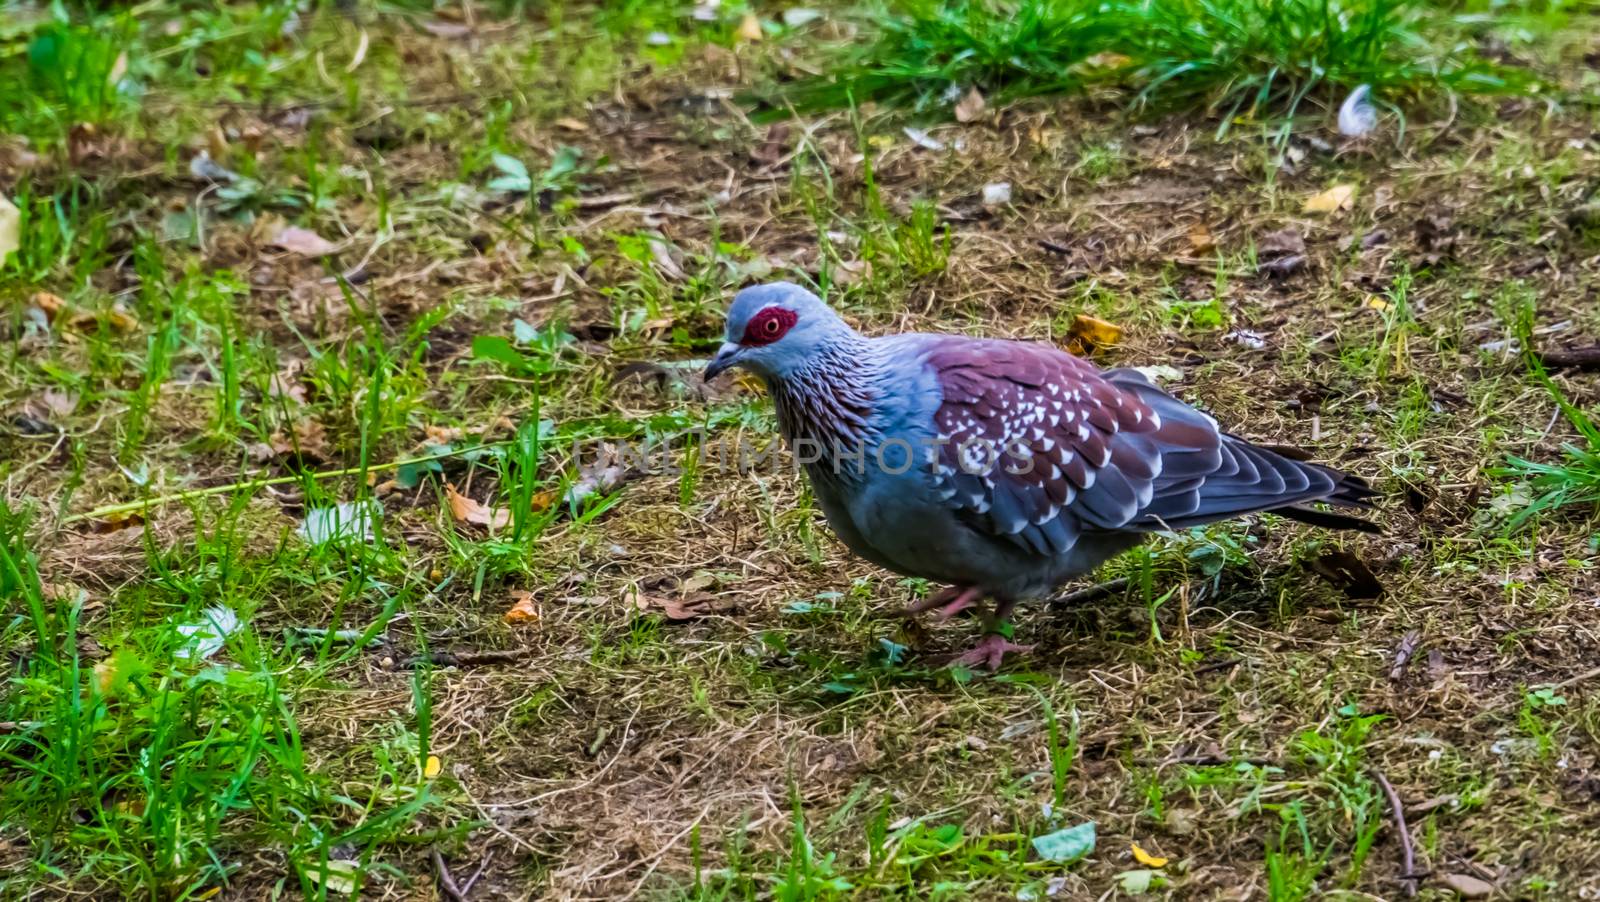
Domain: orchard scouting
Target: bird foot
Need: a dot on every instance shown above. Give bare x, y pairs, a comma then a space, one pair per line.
950, 602
989, 652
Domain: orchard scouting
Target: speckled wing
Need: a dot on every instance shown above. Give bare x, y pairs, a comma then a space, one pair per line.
1039, 446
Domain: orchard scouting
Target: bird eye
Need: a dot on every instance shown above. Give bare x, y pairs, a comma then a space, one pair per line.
771, 327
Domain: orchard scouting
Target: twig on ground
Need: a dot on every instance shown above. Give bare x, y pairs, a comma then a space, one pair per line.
467, 658
1229, 664
1092, 593
1573, 681
1408, 876
1574, 358
447, 883
466, 888
1403, 654
1054, 247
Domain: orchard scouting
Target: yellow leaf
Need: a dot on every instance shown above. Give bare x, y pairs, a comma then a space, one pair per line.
523, 610
1376, 303
433, 766
749, 29
1146, 859
208, 894
1339, 197
1089, 335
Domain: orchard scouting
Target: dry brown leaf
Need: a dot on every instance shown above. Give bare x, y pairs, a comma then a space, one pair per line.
674, 609
970, 106
118, 318
1201, 241
51, 304
1339, 197
1349, 574
115, 523
523, 608
309, 442
441, 435
1089, 336
467, 510
599, 476
749, 29
571, 124
58, 403
303, 242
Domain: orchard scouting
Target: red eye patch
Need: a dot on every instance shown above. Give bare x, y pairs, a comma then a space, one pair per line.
768, 325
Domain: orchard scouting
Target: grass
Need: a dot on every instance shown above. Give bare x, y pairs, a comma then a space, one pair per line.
539, 213
1244, 59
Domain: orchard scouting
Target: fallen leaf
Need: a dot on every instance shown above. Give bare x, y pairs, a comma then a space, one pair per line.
307, 443
970, 106
677, 610
467, 510
1146, 859
1467, 886
1339, 197
431, 768
1066, 845
1349, 574
441, 435
51, 304
303, 242
571, 124
1373, 302
1089, 336
749, 29
1201, 241
115, 523
10, 228
523, 609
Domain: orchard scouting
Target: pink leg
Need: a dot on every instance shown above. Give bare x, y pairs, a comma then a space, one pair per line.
950, 602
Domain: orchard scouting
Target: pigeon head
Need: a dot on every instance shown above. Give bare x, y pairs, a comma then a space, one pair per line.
775, 329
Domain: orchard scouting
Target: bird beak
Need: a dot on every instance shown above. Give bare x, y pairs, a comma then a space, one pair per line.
726, 357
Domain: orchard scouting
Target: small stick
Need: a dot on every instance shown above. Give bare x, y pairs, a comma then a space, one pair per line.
447, 883
1092, 593
1573, 681
1054, 247
1229, 664
472, 881
1576, 358
1408, 857
466, 658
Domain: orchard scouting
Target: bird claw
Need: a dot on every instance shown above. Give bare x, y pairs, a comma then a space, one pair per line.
989, 652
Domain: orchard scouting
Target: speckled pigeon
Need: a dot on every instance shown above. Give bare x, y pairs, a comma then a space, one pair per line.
1002, 468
